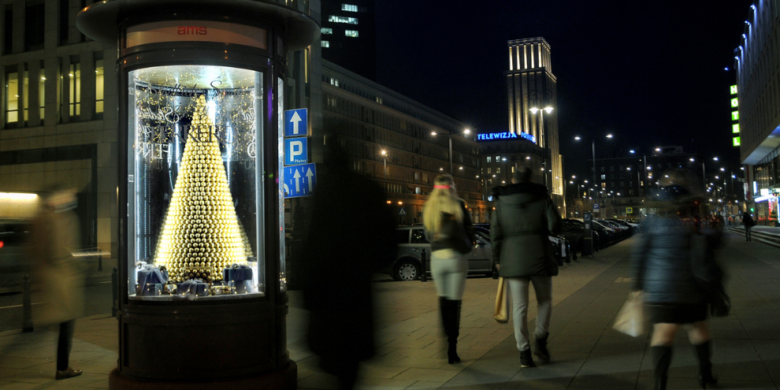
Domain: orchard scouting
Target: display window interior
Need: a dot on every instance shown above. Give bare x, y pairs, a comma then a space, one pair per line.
194, 221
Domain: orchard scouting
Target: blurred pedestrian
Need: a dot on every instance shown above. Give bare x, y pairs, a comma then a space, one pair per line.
748, 221
449, 230
350, 237
524, 219
60, 278
674, 266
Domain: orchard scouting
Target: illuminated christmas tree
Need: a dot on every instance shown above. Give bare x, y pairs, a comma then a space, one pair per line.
201, 234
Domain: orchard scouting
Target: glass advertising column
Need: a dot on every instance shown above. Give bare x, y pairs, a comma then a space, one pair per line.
202, 285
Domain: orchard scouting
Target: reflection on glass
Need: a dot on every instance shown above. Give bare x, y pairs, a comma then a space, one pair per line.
98, 86
12, 97
42, 92
74, 89
193, 202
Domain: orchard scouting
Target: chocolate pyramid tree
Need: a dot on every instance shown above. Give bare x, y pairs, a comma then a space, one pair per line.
201, 233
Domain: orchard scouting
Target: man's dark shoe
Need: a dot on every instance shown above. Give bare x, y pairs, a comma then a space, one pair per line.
65, 374
526, 360
541, 348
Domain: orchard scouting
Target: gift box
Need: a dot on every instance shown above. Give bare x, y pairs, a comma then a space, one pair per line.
194, 286
151, 275
151, 289
241, 277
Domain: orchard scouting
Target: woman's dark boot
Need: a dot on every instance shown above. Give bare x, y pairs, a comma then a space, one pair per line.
453, 331
541, 348
705, 366
662, 359
443, 307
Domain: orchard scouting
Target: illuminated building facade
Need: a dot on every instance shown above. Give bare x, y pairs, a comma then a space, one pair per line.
370, 119
532, 104
758, 108
348, 35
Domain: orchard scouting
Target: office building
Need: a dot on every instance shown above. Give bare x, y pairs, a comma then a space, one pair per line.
400, 143
348, 35
532, 103
756, 106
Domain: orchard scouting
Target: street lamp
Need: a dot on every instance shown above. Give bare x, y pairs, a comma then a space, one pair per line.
449, 138
593, 149
384, 157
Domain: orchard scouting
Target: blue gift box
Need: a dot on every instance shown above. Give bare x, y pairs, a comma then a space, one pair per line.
151, 289
193, 286
237, 273
151, 275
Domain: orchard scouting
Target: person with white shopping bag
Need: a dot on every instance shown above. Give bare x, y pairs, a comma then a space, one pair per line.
674, 268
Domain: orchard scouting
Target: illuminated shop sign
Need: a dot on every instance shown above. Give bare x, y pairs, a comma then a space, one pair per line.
195, 31
504, 135
735, 141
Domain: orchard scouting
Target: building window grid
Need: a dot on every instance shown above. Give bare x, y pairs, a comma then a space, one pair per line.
351, 33
349, 7
342, 19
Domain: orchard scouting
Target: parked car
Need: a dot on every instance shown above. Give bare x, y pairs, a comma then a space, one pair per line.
562, 247
411, 242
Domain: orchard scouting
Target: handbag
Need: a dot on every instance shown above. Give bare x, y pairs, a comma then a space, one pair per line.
501, 311
632, 319
709, 276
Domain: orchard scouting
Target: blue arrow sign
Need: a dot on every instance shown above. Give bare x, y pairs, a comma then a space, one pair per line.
296, 151
296, 123
299, 180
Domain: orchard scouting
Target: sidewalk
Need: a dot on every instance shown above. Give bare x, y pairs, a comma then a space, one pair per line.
587, 353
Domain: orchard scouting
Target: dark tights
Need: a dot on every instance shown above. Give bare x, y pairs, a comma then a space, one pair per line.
64, 344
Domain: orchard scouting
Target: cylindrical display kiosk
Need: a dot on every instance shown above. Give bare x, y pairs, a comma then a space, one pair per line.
201, 221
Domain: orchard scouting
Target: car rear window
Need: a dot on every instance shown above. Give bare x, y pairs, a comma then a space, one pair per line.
402, 236
418, 236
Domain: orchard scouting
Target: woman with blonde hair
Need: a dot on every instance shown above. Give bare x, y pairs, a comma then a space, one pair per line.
449, 230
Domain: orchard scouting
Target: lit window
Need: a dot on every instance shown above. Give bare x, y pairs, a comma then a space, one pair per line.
74, 89
326, 30
334, 82
325, 43
349, 7
12, 97
489, 158
498, 170
42, 92
342, 19
489, 170
99, 86
351, 33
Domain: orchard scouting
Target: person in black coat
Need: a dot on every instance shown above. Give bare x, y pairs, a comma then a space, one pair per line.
748, 221
350, 236
673, 264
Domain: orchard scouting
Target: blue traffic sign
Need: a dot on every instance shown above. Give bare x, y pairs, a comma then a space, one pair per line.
296, 123
299, 180
296, 151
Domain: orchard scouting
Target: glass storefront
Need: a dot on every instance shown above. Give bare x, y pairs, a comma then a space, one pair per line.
195, 215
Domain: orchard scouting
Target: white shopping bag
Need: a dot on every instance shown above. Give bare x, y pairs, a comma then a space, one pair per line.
632, 318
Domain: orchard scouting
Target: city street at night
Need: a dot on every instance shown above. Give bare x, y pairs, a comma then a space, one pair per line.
586, 352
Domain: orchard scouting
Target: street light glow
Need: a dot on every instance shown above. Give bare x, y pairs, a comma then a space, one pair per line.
715, 158
609, 135
548, 109
467, 131
384, 152
632, 151
433, 133
577, 138
693, 159
657, 149
534, 110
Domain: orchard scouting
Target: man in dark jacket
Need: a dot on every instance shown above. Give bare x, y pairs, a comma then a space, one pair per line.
748, 221
525, 216
350, 236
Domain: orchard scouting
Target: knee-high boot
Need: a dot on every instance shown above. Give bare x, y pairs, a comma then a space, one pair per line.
705, 366
443, 310
453, 331
662, 359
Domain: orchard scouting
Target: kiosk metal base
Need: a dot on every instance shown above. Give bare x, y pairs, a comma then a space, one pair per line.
285, 379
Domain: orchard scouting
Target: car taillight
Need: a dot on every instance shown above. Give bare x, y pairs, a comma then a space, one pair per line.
1, 244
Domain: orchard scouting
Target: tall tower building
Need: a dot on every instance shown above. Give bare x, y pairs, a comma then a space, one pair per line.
532, 102
348, 35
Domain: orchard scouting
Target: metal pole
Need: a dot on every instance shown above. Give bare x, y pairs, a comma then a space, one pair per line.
100, 260
114, 290
385, 158
423, 268
449, 137
27, 324
704, 176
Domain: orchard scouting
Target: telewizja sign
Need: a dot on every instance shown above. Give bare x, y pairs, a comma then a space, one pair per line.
504, 135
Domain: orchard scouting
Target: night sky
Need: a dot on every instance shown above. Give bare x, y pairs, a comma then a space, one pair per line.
652, 73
